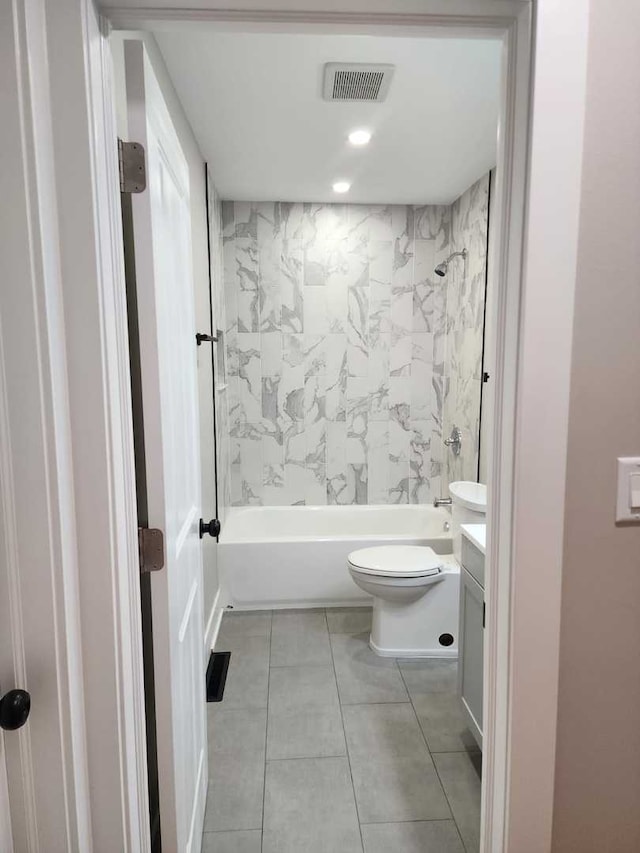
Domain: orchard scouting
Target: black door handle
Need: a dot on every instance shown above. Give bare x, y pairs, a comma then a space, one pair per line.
211, 527
14, 709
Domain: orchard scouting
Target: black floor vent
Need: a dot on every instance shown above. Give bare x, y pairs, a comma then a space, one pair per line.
217, 675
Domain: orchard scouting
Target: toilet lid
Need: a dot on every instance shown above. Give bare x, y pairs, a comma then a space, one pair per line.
408, 561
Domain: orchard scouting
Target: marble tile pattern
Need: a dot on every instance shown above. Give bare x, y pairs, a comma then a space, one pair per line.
335, 342
219, 320
466, 290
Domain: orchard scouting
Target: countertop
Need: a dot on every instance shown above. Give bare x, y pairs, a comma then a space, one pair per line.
476, 533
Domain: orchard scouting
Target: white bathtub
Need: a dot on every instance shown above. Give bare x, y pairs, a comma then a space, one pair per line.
297, 556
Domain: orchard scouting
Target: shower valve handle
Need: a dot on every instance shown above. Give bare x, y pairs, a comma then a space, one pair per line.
454, 441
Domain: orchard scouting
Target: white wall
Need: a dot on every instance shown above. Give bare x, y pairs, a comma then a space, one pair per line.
201, 281
597, 796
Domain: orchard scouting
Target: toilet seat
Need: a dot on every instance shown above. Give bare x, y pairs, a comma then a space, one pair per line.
401, 561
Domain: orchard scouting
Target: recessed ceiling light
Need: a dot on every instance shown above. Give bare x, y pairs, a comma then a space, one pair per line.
341, 187
360, 137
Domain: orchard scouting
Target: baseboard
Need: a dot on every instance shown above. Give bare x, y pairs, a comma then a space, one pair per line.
213, 624
299, 605
413, 653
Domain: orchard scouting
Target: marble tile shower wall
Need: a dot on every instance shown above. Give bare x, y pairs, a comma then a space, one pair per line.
466, 291
223, 427
335, 325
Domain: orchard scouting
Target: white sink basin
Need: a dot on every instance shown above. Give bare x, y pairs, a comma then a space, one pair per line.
470, 495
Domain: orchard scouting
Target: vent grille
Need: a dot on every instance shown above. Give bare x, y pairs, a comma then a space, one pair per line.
357, 85
356, 82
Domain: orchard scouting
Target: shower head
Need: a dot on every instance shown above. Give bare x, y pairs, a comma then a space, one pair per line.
442, 268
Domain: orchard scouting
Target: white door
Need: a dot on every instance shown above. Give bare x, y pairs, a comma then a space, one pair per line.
6, 841
164, 281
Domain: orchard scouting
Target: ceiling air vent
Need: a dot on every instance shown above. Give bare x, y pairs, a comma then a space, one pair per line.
356, 81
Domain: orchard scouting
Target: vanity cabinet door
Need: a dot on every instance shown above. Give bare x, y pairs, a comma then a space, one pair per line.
470, 667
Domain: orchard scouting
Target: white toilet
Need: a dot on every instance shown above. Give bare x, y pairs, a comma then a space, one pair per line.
415, 599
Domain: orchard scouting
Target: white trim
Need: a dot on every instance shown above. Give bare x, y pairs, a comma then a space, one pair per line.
507, 255
542, 387
104, 487
513, 23
301, 604
90, 241
452, 15
132, 685
46, 760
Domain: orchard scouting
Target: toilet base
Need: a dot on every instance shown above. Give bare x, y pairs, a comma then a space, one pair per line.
451, 652
418, 629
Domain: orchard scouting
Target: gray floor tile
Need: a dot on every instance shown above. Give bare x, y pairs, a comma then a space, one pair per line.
248, 841
294, 688
441, 720
383, 731
429, 676
309, 806
299, 637
235, 730
435, 836
248, 675
461, 780
362, 675
349, 620
306, 734
393, 774
398, 788
236, 786
256, 623
304, 713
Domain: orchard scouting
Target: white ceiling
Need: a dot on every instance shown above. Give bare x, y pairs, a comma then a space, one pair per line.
255, 104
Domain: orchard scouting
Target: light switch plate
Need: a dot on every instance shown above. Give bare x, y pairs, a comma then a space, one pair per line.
628, 471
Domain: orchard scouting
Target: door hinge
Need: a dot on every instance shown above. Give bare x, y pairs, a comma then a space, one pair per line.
132, 166
151, 549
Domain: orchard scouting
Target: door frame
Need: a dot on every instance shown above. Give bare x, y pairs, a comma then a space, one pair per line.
67, 524
533, 256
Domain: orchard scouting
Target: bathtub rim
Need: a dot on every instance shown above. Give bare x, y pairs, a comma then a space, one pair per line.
355, 535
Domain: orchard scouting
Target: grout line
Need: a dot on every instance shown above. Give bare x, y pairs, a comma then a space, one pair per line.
415, 820
370, 704
228, 831
415, 714
306, 757
424, 738
344, 732
266, 733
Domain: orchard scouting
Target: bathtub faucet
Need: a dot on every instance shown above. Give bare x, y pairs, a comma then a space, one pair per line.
442, 502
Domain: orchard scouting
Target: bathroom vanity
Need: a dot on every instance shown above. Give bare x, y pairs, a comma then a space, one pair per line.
471, 628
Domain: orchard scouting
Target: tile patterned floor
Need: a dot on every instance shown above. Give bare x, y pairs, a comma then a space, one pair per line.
319, 745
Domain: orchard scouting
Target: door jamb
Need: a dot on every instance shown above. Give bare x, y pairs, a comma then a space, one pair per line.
512, 645
507, 252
